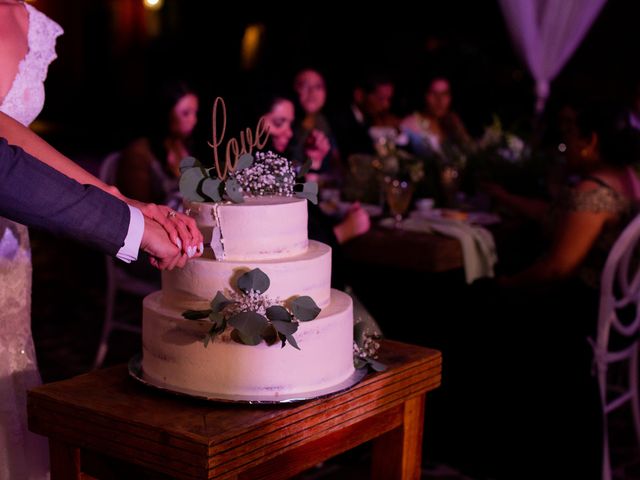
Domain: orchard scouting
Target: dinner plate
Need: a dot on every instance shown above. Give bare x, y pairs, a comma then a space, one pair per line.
475, 218
340, 209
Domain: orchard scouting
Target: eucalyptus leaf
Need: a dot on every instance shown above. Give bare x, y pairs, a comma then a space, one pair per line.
359, 331
359, 362
188, 162
285, 328
190, 182
277, 313
250, 326
288, 338
255, 280
310, 187
270, 335
210, 187
207, 338
217, 319
304, 308
219, 302
246, 339
313, 198
292, 342
376, 365
245, 161
306, 166
196, 314
233, 190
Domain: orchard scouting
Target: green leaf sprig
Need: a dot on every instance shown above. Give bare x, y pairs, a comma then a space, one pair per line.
249, 326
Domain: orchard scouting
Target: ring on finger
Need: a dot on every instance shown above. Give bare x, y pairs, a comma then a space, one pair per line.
171, 214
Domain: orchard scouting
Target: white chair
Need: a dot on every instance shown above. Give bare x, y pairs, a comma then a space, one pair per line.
620, 288
117, 279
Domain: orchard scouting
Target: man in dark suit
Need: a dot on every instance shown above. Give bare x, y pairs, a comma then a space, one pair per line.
371, 104
39, 196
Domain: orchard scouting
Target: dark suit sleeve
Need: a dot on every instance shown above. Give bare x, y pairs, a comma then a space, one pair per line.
39, 196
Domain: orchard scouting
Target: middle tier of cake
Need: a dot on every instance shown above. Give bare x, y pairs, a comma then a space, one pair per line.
193, 286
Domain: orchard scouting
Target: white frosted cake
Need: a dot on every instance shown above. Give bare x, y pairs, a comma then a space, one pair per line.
266, 233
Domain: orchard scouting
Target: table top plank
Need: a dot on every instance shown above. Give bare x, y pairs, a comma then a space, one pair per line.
109, 412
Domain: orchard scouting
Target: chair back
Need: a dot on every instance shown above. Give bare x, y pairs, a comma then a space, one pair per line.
117, 278
619, 314
109, 168
620, 287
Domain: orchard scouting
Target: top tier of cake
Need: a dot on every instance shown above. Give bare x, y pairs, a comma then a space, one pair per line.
261, 228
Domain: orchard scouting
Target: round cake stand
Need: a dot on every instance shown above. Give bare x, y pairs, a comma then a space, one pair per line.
135, 371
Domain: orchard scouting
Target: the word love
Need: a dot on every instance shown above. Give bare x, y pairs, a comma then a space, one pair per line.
236, 147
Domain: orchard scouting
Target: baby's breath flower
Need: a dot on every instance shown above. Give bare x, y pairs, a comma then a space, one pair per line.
369, 347
270, 174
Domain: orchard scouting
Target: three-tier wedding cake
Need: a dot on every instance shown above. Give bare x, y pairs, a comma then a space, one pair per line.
255, 316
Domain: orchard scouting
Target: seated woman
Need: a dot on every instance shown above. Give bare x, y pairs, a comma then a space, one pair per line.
280, 114
436, 129
148, 169
311, 92
531, 328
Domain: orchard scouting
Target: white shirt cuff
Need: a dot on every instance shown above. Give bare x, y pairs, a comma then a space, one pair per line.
129, 251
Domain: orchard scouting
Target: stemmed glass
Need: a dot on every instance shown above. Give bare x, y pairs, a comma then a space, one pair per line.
398, 194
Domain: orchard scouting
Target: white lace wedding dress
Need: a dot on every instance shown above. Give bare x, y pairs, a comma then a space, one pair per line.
23, 455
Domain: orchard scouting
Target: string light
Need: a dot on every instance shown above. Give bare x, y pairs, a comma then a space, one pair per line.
153, 4
251, 45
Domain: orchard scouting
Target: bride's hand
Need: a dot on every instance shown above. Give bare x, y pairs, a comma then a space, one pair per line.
181, 228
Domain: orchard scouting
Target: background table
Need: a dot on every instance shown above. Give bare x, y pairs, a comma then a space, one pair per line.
417, 251
107, 425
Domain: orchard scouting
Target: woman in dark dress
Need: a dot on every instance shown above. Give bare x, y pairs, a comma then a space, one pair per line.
524, 401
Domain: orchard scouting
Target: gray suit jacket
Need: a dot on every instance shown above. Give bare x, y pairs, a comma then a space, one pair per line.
39, 196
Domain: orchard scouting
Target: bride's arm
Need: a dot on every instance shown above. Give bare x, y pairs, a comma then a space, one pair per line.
180, 228
19, 135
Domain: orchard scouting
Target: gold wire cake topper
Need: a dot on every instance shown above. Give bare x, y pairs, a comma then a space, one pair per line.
243, 172
235, 148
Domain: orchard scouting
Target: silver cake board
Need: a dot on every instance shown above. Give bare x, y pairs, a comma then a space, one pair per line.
136, 371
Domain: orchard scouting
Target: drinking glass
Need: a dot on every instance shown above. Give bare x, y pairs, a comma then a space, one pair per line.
450, 181
398, 194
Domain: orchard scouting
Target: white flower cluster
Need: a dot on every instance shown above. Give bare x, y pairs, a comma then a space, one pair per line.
249, 302
508, 146
370, 347
270, 174
514, 148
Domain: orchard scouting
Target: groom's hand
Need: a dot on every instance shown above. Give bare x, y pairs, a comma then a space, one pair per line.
164, 254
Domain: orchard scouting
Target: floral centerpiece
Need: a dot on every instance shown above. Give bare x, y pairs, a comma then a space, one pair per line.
503, 144
367, 172
503, 155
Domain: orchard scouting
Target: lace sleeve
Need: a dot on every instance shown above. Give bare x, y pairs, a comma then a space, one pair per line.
42, 41
598, 200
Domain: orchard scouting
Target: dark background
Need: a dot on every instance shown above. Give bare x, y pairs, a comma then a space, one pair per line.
114, 51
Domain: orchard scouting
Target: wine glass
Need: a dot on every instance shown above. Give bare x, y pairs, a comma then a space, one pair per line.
398, 194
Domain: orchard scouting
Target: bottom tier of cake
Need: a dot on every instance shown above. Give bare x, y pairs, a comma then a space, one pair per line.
175, 356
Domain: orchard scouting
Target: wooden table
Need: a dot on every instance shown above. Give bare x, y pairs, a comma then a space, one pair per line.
417, 251
107, 425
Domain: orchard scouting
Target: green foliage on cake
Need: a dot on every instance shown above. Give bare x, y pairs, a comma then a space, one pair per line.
252, 316
266, 173
365, 348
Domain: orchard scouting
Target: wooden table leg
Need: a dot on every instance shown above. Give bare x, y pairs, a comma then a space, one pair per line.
398, 453
65, 461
